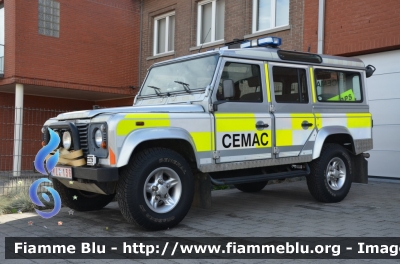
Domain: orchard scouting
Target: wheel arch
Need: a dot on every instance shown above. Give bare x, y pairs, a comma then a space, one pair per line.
333, 134
176, 139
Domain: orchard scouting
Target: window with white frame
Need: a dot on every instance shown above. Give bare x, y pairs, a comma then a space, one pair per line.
269, 14
164, 32
210, 21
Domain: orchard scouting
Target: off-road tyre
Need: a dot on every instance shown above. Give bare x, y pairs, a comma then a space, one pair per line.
130, 188
317, 180
251, 187
86, 201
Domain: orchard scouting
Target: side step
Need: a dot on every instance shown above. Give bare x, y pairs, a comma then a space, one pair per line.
261, 178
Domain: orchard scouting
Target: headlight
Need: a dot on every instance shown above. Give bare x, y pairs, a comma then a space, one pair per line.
67, 140
98, 138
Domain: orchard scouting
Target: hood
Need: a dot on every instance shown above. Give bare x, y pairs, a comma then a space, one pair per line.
132, 109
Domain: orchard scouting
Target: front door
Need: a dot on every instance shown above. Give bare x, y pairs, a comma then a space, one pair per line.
294, 118
243, 125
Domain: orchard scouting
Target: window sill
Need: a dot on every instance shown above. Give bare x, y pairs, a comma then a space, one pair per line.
268, 31
166, 54
207, 45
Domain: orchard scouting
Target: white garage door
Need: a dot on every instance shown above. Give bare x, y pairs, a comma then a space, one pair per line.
384, 100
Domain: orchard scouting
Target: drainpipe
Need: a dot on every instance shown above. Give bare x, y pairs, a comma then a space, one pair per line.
140, 44
321, 23
19, 110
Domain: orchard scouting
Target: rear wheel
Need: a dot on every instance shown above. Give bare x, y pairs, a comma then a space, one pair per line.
251, 187
81, 200
155, 190
331, 174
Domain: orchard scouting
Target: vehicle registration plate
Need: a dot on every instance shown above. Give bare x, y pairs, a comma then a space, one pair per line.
62, 172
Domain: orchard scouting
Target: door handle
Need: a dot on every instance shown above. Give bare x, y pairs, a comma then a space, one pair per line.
260, 125
306, 124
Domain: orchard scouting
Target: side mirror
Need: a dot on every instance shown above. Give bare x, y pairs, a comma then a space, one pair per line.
228, 88
369, 70
228, 91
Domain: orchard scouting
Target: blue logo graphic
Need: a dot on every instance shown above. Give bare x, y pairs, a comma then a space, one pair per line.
35, 199
46, 150
40, 161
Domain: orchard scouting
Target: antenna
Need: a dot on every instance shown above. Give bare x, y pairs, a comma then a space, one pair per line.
204, 40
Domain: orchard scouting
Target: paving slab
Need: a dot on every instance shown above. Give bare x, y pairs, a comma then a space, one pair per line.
280, 210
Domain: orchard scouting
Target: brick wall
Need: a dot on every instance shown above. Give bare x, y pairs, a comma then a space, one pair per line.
354, 27
238, 23
97, 50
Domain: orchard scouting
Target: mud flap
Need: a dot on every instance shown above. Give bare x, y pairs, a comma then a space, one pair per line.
360, 174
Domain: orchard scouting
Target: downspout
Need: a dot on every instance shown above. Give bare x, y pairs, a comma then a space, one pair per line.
140, 44
321, 24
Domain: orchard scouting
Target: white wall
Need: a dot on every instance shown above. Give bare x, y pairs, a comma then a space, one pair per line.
384, 100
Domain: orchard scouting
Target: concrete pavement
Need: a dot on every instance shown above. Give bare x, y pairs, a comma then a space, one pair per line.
285, 209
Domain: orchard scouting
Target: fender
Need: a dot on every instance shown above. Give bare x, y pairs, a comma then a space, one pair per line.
325, 132
138, 136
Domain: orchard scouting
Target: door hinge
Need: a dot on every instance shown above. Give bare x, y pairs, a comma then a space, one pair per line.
211, 108
216, 155
276, 150
271, 108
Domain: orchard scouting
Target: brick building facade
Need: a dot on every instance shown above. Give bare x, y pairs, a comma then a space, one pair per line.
353, 27
62, 55
237, 19
94, 58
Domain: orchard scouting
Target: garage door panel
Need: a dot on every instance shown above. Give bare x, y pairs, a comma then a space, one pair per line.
384, 99
385, 62
384, 163
383, 86
385, 112
386, 137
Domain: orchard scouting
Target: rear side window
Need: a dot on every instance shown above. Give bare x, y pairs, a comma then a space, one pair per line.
338, 86
290, 85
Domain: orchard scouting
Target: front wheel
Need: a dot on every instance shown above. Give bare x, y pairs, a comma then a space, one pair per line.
331, 174
155, 190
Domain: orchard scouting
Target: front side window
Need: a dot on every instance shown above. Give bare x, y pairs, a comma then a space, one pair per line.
246, 79
268, 14
338, 86
290, 85
180, 77
49, 18
210, 21
164, 32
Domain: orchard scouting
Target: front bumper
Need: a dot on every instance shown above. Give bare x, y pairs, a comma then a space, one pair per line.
98, 174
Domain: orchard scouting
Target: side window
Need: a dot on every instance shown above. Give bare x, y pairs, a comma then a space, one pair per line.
338, 86
247, 80
290, 85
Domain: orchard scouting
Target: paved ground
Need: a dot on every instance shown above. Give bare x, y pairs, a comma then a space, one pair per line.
285, 209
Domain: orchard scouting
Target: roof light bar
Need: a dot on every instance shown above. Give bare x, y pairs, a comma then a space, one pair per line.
269, 41
262, 42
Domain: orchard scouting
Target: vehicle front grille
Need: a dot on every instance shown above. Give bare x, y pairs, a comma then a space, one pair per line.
83, 137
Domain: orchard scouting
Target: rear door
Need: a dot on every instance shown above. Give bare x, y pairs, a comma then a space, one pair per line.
243, 125
292, 106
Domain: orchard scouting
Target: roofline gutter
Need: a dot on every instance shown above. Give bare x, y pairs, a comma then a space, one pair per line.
321, 25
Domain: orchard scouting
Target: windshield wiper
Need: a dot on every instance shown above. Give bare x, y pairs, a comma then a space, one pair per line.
156, 89
185, 86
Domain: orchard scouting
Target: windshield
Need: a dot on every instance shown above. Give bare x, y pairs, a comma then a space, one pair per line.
185, 76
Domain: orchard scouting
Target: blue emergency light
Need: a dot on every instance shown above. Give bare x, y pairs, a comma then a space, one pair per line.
262, 42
